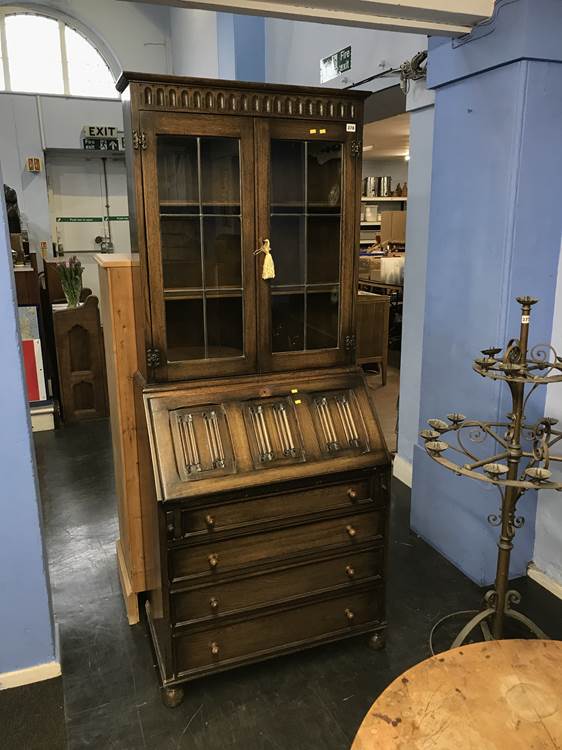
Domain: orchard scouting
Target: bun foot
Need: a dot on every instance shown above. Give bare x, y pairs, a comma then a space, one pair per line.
378, 640
172, 696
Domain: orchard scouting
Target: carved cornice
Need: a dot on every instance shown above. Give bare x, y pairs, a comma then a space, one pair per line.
211, 100
174, 93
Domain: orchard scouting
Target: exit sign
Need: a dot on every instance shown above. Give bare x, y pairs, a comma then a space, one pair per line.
333, 65
102, 138
99, 131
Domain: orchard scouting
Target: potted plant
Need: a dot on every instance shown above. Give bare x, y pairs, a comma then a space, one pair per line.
70, 272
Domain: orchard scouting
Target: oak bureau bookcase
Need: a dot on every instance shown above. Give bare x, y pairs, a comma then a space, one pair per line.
263, 471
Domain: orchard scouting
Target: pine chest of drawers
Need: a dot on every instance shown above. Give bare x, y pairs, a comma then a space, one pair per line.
269, 522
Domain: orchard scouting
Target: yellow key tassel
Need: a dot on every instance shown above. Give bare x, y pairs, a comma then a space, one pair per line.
268, 268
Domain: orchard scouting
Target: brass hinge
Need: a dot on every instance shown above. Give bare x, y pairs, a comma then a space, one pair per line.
356, 148
139, 140
349, 343
153, 358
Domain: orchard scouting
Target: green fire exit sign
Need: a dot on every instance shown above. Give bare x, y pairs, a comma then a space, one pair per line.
333, 65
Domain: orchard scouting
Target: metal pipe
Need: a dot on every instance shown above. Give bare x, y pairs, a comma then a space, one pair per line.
388, 71
107, 208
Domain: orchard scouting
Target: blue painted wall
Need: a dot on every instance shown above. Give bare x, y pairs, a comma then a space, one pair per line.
495, 230
26, 627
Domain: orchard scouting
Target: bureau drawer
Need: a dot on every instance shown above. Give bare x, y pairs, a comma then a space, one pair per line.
227, 597
277, 631
228, 555
227, 516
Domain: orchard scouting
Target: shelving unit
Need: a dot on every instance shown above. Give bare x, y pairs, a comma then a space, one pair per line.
373, 226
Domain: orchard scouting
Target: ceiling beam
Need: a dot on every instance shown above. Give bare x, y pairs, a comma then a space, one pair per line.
467, 12
417, 16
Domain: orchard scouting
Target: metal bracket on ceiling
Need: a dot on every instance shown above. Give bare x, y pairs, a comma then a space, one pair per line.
413, 70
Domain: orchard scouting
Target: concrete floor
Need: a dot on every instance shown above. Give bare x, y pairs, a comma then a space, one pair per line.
316, 699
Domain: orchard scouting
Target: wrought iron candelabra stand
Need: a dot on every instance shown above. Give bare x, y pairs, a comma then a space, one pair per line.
520, 462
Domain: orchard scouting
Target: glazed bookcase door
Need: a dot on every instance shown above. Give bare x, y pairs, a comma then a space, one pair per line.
198, 184
306, 207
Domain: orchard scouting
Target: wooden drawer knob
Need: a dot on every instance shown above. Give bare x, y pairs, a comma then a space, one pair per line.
352, 494
349, 614
214, 648
210, 521
214, 603
350, 530
213, 560
350, 570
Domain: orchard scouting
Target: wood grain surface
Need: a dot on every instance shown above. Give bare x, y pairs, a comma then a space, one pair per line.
485, 696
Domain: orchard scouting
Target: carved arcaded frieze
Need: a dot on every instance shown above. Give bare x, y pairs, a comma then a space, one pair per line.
208, 100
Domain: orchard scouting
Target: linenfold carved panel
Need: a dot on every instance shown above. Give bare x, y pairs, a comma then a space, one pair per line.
208, 100
259, 433
338, 423
202, 443
273, 432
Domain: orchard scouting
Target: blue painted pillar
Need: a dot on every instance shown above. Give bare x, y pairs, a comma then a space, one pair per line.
26, 624
249, 40
241, 47
495, 233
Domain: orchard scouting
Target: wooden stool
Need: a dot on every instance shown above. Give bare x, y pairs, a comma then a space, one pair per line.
484, 696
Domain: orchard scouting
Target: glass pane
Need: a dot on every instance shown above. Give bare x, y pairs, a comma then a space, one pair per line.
185, 329
323, 250
222, 251
322, 310
201, 241
220, 173
288, 248
34, 54
287, 322
323, 175
88, 73
287, 174
224, 326
181, 252
177, 175
305, 234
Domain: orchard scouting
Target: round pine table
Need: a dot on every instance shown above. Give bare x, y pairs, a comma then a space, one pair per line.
497, 695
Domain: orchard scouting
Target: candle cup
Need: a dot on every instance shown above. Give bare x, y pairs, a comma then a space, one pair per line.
436, 447
429, 434
495, 470
537, 474
438, 424
456, 417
